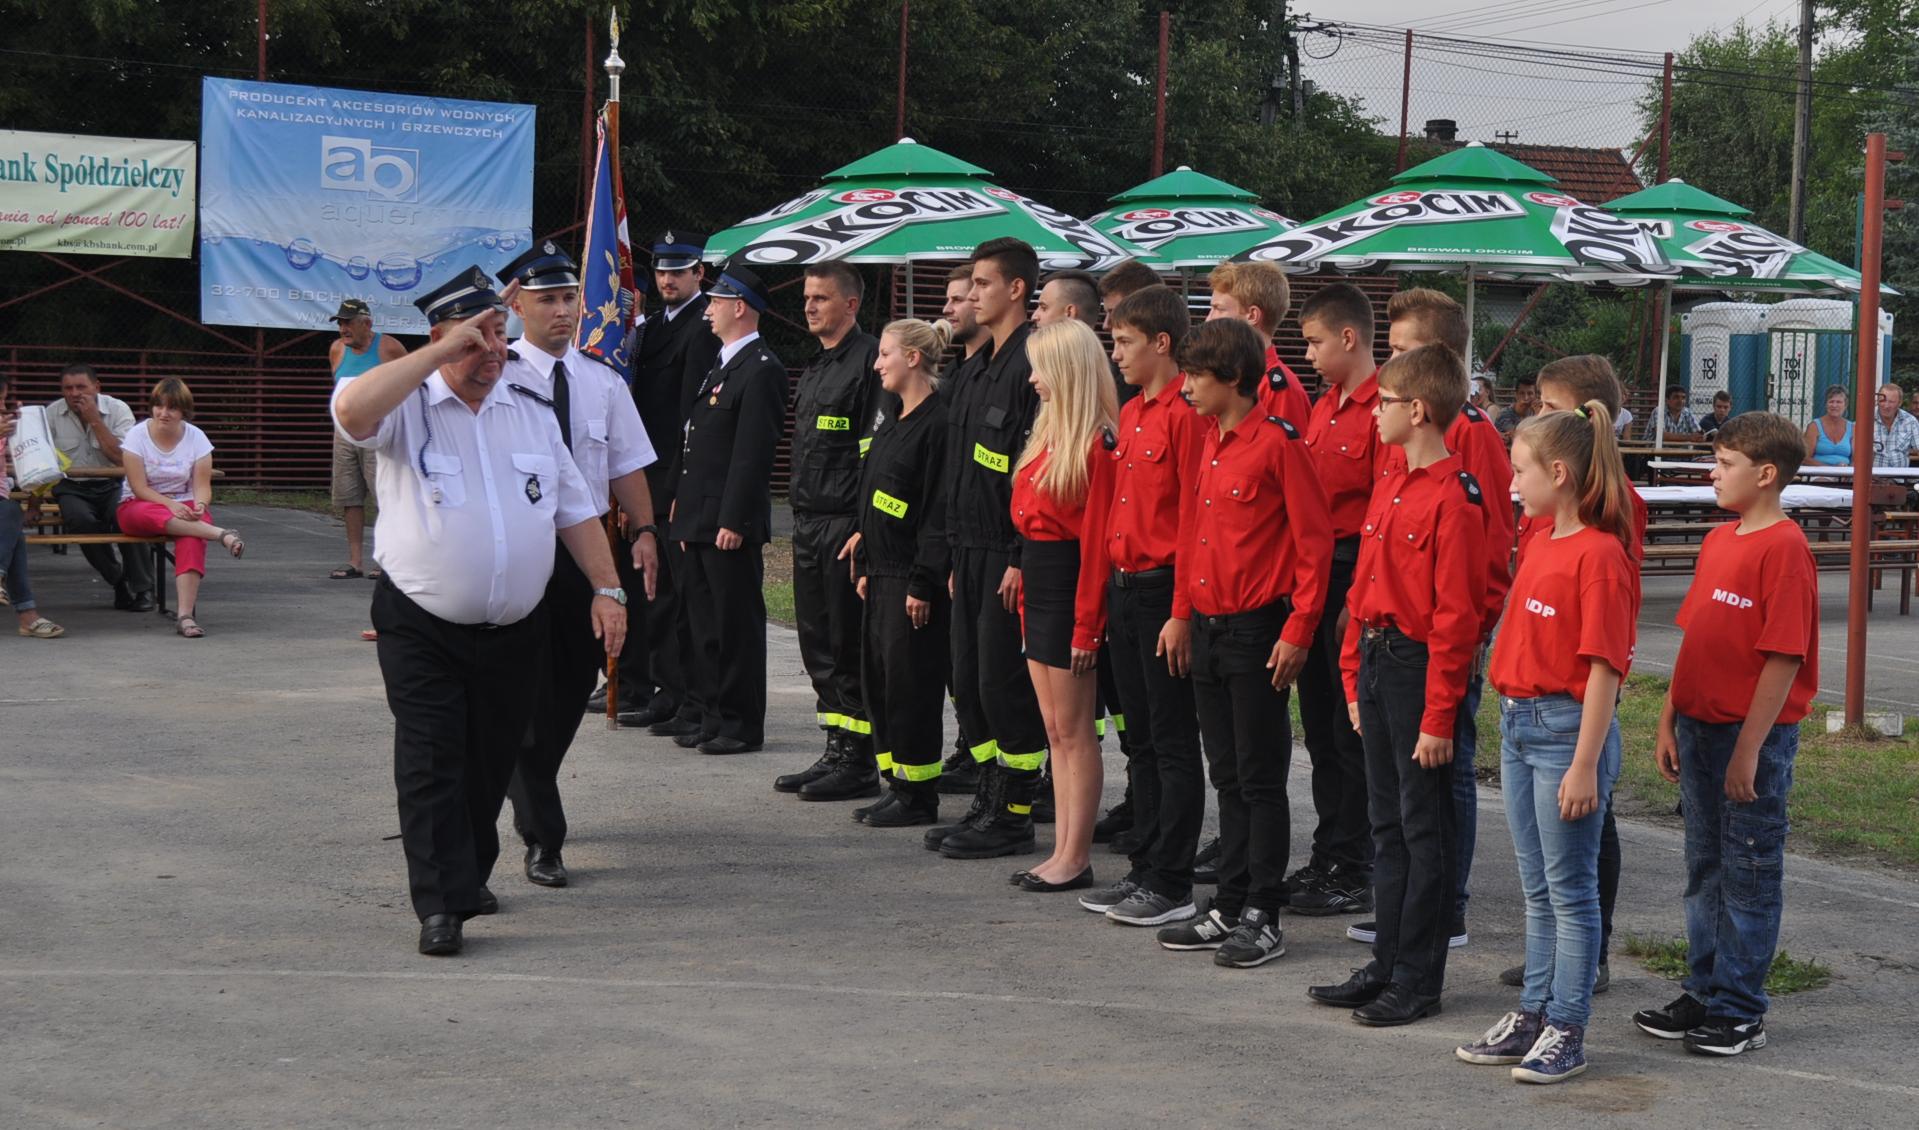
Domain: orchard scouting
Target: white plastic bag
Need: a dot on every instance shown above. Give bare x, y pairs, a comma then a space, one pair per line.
35, 462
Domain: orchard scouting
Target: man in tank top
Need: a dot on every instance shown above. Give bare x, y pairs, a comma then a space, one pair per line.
357, 350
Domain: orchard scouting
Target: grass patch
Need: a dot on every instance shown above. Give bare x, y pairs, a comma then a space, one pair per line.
1666, 957
778, 587
312, 501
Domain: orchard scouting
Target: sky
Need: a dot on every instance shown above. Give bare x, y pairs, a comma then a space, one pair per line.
1487, 89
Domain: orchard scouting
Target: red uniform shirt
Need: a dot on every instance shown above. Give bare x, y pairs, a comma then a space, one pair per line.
1283, 395
1482, 453
1752, 596
1575, 600
1344, 442
1155, 466
1038, 516
1256, 527
1530, 528
1422, 561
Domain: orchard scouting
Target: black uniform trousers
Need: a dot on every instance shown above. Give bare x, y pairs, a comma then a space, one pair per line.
1249, 748
903, 671
1344, 833
826, 614
460, 700
661, 658
992, 691
1414, 871
1162, 756
574, 660
636, 681
726, 616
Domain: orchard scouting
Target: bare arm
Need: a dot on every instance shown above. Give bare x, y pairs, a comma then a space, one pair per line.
586, 541
1768, 698
391, 350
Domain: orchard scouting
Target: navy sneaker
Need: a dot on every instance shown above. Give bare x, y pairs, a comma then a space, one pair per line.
1506, 1042
1722, 1036
1673, 1021
1558, 1055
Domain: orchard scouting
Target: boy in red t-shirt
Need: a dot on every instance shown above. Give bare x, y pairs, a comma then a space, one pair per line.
1413, 628
1745, 676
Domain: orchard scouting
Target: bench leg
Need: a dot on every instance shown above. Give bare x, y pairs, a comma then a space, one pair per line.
160, 577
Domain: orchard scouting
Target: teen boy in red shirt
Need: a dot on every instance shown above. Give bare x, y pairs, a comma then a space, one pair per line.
1254, 550
1259, 295
1414, 626
1744, 679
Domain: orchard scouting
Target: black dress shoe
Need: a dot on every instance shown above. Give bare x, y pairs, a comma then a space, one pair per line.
687, 739
543, 866
1038, 885
1355, 991
649, 716
724, 745
489, 903
596, 702
440, 935
673, 727
1396, 1006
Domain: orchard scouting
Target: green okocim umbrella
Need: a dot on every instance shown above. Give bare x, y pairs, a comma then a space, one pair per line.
1474, 209
912, 202
1716, 246
1188, 219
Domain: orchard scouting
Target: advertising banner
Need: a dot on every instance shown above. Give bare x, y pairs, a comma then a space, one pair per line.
315, 195
77, 195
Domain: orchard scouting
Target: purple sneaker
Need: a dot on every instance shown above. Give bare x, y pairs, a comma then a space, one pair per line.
1558, 1055
1506, 1042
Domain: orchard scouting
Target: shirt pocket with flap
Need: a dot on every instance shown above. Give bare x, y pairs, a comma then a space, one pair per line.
590, 452
539, 480
445, 482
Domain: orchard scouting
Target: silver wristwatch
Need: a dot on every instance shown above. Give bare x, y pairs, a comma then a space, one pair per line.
616, 594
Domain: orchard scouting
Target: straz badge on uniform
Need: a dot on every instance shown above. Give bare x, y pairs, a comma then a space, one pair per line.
533, 489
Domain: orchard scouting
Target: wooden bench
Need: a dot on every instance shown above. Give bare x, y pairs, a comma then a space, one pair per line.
161, 555
1899, 556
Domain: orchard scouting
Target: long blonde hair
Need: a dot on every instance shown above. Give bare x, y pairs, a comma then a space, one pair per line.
1082, 400
1584, 442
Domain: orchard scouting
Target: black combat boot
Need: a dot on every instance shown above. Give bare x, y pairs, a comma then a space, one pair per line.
985, 797
1007, 828
856, 775
829, 760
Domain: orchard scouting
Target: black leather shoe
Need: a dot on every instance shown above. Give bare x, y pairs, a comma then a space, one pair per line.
690, 738
849, 780
1355, 991
673, 727
440, 935
829, 760
725, 745
904, 811
1395, 1007
142, 602
543, 866
489, 902
596, 702
1038, 885
650, 716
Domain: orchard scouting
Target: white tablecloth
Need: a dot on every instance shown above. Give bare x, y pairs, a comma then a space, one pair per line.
1796, 497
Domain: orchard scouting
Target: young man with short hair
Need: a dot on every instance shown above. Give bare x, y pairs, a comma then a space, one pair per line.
1525, 403
1127, 277
960, 774
1721, 412
1259, 295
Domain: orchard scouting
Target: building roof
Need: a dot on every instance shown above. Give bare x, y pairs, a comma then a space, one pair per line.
1595, 176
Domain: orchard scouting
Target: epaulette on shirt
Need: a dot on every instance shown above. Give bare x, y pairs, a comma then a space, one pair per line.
525, 391
1471, 486
1291, 432
1473, 413
1108, 440
1276, 376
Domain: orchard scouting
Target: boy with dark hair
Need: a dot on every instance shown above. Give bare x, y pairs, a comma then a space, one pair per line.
1255, 546
1415, 612
1337, 323
1149, 613
1745, 676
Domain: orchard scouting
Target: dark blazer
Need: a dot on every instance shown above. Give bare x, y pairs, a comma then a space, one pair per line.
726, 461
672, 360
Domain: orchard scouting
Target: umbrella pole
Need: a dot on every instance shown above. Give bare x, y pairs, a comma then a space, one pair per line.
1665, 354
1469, 328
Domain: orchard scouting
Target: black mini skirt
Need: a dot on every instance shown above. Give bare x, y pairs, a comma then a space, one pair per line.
1049, 581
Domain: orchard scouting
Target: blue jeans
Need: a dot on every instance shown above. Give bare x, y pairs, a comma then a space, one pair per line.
1465, 783
1558, 860
13, 556
1735, 862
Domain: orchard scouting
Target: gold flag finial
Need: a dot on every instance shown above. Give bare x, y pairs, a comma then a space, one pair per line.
613, 26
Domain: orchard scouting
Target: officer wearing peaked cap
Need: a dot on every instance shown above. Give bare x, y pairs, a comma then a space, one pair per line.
601, 429
474, 484
723, 515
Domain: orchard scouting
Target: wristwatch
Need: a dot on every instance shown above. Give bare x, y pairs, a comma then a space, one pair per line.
649, 528
612, 594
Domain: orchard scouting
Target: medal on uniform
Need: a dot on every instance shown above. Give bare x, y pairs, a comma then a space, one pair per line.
714, 399
533, 488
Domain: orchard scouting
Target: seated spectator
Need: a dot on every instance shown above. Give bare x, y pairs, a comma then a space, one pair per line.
1679, 420
13, 544
168, 491
1621, 422
1525, 403
1829, 438
1721, 412
87, 427
1895, 432
1481, 394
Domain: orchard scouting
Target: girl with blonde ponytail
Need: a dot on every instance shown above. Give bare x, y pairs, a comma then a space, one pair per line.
1565, 647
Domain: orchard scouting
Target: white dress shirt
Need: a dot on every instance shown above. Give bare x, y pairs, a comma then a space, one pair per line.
470, 502
733, 349
76, 441
609, 441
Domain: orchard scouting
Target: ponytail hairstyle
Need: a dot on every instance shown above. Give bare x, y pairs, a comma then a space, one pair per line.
1082, 400
928, 339
1582, 439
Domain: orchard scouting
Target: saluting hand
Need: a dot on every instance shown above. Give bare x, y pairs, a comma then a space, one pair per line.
609, 623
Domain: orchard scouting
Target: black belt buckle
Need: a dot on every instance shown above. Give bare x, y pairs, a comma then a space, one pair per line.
1123, 579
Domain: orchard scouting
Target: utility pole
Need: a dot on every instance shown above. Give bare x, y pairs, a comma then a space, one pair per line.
1802, 126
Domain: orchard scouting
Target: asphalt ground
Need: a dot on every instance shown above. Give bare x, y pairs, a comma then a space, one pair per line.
205, 924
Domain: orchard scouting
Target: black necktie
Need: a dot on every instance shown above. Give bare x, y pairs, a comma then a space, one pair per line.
563, 404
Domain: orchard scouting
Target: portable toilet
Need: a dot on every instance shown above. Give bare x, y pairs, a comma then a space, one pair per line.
1812, 348
1722, 346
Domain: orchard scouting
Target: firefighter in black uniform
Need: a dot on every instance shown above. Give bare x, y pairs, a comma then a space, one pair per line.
676, 351
723, 516
902, 561
989, 420
833, 418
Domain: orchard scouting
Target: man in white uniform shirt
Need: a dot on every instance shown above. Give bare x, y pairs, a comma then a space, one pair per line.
474, 482
602, 429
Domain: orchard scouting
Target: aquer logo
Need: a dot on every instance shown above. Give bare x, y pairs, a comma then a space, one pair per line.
1731, 598
355, 164
1540, 609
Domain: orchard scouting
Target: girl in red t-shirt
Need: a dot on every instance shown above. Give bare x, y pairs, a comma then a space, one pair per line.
1062, 488
1558, 663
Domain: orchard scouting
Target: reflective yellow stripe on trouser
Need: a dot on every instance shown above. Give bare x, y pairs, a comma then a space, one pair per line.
1119, 725
916, 772
845, 722
1028, 761
886, 764
985, 752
